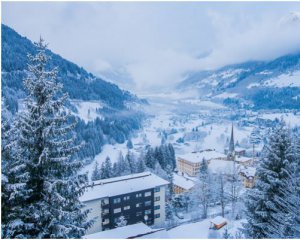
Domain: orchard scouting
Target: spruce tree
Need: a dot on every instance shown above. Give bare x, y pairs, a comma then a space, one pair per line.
106, 169
51, 208
141, 167
172, 155
270, 204
296, 178
129, 144
13, 177
96, 174
150, 161
129, 158
123, 167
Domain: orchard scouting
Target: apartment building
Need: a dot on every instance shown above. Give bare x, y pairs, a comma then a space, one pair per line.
137, 197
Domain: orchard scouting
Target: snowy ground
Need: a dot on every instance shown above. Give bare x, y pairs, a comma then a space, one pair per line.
202, 230
87, 109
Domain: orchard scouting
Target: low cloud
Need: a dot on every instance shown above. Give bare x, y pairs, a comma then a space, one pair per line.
157, 43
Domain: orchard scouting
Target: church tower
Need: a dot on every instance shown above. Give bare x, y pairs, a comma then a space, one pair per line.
231, 152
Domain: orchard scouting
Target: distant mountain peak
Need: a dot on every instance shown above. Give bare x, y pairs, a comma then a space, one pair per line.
293, 18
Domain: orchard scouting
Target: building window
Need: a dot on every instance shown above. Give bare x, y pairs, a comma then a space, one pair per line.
157, 207
105, 210
117, 210
116, 200
126, 207
138, 205
148, 212
156, 199
148, 203
105, 220
104, 202
138, 195
157, 189
126, 198
147, 194
138, 214
157, 215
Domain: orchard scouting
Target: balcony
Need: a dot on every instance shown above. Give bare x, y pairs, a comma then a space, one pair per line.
104, 212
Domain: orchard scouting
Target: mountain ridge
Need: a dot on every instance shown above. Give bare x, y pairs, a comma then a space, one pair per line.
79, 83
252, 81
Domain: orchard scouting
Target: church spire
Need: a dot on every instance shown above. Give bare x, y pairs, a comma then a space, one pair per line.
231, 143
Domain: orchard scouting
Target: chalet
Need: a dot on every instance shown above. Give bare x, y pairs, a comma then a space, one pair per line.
182, 183
248, 176
138, 197
218, 222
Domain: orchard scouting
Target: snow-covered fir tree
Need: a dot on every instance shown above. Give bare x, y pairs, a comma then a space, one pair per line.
96, 174
51, 206
141, 166
296, 178
129, 144
272, 203
150, 161
106, 169
123, 167
13, 176
129, 158
202, 193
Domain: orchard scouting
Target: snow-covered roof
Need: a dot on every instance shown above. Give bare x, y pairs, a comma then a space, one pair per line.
198, 156
249, 171
183, 182
218, 220
121, 232
243, 159
236, 148
122, 185
156, 234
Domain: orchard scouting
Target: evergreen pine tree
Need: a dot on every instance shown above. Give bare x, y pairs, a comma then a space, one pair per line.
13, 178
115, 170
96, 174
150, 161
123, 166
51, 208
129, 158
129, 144
296, 178
172, 155
106, 169
141, 167
170, 178
270, 205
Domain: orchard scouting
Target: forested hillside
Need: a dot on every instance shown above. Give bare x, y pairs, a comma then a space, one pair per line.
117, 120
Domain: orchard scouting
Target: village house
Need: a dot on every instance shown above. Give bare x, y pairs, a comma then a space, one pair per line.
218, 222
248, 176
138, 198
182, 184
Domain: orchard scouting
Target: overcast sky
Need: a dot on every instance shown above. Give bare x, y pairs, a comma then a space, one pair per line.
157, 43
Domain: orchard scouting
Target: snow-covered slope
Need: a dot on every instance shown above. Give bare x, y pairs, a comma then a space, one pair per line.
269, 84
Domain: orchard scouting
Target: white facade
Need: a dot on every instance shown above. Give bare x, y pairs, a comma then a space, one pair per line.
98, 195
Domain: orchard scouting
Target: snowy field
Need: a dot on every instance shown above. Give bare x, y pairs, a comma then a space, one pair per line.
87, 109
202, 230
